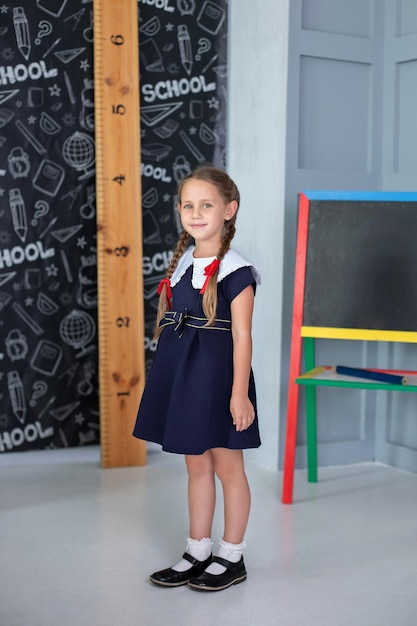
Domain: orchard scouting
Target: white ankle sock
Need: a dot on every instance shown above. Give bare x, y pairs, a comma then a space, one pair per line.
229, 551
200, 549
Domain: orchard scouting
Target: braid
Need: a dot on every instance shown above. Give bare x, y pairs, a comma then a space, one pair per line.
180, 248
229, 233
210, 295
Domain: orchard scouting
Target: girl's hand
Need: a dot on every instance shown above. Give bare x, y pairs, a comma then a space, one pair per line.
242, 412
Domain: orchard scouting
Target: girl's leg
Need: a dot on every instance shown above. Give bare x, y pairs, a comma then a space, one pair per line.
229, 467
201, 501
230, 570
201, 494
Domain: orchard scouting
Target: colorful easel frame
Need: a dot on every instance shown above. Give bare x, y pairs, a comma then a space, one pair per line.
304, 336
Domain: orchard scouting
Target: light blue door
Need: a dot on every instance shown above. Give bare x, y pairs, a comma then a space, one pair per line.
352, 102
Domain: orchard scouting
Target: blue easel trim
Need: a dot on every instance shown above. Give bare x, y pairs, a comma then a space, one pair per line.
381, 196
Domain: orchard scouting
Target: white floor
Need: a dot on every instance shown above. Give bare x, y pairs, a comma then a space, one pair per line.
77, 544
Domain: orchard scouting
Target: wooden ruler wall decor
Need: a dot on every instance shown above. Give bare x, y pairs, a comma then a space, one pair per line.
119, 230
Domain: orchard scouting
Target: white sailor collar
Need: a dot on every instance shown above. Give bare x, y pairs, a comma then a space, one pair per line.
230, 263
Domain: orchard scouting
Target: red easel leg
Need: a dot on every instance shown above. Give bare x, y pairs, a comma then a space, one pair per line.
291, 430
296, 347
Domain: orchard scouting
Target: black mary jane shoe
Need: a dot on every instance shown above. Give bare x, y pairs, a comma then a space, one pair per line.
171, 578
235, 573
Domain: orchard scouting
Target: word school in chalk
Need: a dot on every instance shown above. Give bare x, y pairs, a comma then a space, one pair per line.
10, 75
165, 89
18, 254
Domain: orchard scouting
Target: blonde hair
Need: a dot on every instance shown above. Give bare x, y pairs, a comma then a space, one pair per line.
229, 192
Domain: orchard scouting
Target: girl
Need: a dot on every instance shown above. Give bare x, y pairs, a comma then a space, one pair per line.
199, 399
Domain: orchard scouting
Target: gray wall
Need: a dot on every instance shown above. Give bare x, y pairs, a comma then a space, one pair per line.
256, 160
396, 424
348, 70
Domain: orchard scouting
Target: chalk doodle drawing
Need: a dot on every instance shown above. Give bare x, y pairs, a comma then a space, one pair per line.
183, 93
47, 245
48, 256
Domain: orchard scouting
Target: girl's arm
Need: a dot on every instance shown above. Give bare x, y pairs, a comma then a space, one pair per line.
241, 407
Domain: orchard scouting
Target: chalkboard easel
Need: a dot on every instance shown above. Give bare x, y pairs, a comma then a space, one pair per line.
355, 279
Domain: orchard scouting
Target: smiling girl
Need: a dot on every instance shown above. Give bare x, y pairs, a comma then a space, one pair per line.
200, 398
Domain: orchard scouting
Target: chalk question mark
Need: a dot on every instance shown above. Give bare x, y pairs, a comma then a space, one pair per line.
42, 209
45, 28
40, 389
204, 46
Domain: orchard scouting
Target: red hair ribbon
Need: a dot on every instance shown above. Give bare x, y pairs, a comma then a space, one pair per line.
166, 282
209, 271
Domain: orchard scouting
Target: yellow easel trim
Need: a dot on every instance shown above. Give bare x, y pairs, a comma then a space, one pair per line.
363, 334
314, 372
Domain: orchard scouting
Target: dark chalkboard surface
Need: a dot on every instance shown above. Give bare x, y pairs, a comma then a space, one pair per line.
361, 269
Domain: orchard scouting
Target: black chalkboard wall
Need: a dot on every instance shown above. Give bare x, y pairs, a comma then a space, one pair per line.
361, 269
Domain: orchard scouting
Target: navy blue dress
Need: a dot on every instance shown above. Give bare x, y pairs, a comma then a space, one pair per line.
185, 406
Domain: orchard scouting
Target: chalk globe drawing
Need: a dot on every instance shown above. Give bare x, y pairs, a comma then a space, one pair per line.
77, 329
78, 151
